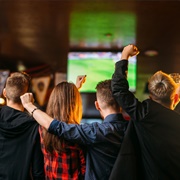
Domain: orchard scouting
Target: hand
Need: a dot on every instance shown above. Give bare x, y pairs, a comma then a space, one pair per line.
80, 80
26, 99
129, 51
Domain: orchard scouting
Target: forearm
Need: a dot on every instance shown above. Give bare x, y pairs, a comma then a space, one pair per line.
119, 82
41, 117
120, 90
84, 134
71, 132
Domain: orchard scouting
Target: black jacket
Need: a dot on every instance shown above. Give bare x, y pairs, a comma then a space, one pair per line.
153, 136
20, 154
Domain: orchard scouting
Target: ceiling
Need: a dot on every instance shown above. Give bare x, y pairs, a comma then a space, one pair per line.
40, 33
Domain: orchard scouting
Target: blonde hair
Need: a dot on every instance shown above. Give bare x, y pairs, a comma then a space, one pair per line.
162, 88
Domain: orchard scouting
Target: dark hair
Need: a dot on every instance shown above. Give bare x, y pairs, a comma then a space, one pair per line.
104, 94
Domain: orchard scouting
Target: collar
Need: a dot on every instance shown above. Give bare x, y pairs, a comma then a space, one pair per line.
114, 117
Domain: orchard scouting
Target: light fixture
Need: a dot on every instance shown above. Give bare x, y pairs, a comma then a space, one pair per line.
2, 101
151, 53
21, 66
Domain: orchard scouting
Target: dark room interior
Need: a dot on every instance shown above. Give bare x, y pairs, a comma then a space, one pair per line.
38, 35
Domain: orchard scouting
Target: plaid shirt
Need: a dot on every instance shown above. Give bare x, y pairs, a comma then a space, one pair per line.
68, 165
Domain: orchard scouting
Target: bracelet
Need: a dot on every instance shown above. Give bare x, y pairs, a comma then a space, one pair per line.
34, 110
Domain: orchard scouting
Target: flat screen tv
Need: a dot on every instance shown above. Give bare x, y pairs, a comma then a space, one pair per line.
98, 66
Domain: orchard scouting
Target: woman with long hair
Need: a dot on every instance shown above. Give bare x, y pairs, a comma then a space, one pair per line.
62, 159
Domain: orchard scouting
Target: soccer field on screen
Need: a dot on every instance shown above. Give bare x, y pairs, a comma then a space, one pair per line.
97, 70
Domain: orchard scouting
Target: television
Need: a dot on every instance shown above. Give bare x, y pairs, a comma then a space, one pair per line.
89, 110
98, 66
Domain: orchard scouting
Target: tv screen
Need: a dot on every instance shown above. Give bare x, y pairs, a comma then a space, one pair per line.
98, 66
89, 109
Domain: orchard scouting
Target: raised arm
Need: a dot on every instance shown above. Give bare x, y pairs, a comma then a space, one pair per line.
120, 86
129, 51
41, 117
80, 80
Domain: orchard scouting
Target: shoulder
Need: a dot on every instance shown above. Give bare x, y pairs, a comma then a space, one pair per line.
158, 113
114, 118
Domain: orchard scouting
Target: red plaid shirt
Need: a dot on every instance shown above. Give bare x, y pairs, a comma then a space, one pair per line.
68, 165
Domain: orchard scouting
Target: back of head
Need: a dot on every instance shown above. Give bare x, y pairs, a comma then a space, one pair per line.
104, 95
65, 103
17, 84
162, 88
